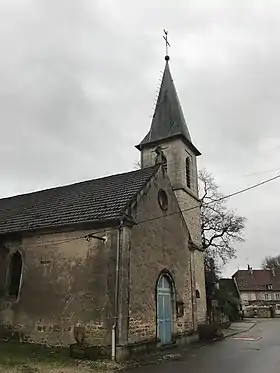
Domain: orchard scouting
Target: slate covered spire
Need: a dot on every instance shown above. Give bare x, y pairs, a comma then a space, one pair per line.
168, 119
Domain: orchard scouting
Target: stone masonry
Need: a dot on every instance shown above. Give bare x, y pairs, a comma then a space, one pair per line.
67, 281
176, 151
159, 243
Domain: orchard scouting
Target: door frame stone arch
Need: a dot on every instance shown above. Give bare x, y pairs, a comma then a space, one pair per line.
166, 274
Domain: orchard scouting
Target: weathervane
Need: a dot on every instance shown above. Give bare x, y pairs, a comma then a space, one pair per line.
166, 43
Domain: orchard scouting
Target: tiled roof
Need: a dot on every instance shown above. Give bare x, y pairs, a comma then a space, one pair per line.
257, 279
95, 200
228, 285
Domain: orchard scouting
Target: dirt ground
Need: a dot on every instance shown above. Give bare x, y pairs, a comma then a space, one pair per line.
45, 368
31, 358
28, 358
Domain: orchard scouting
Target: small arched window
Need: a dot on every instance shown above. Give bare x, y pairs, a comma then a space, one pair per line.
188, 172
197, 294
15, 271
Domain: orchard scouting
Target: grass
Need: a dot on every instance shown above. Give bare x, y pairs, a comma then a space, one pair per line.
18, 357
30, 358
14, 354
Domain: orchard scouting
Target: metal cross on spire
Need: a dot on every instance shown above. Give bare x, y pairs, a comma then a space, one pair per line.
166, 44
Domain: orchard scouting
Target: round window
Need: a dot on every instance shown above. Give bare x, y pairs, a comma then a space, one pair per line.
162, 199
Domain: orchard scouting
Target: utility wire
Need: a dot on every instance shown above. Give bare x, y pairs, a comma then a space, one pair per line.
249, 188
216, 200
104, 231
87, 236
261, 172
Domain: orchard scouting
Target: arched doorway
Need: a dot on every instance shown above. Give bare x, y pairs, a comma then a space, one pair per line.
164, 309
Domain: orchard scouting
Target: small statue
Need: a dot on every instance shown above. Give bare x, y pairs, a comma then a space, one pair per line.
161, 158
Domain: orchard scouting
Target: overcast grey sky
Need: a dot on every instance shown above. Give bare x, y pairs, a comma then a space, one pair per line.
78, 80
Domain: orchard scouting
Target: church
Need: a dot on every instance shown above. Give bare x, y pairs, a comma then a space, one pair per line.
114, 262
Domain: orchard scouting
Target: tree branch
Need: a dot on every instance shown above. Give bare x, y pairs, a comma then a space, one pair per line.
221, 227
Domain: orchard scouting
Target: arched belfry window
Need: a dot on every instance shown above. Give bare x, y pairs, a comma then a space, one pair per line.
15, 272
188, 172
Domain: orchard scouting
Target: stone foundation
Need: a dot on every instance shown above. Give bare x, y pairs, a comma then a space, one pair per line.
153, 345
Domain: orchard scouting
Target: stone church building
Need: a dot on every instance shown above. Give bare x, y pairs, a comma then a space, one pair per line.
116, 259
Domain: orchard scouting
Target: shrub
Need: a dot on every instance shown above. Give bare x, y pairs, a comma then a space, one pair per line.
208, 332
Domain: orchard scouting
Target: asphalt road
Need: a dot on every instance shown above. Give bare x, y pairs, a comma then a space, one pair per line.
256, 351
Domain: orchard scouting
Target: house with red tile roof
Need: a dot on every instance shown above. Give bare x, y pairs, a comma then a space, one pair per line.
258, 286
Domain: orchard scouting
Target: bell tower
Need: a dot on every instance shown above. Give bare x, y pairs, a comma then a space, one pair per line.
169, 131
169, 138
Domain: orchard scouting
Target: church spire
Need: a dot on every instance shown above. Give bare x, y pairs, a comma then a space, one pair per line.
168, 119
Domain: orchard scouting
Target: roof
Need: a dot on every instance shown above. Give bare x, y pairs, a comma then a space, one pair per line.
168, 119
229, 285
91, 201
256, 279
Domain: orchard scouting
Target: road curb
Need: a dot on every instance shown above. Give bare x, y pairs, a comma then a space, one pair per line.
240, 331
176, 355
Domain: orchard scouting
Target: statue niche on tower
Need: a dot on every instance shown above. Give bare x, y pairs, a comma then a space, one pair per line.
161, 158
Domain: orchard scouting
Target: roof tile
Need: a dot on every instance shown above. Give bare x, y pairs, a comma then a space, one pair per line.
257, 279
88, 201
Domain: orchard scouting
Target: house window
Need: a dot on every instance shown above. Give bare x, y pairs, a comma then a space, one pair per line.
15, 272
266, 296
269, 287
253, 296
197, 294
277, 296
188, 172
272, 296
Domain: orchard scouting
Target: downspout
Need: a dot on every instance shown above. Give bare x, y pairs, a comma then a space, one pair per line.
116, 301
191, 273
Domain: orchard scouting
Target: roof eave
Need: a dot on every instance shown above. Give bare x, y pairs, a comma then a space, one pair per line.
134, 198
165, 139
94, 224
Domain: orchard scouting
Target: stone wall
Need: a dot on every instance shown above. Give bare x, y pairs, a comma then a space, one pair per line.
200, 286
66, 281
176, 152
189, 205
159, 242
258, 311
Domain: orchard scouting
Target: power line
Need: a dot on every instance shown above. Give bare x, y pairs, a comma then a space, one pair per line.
104, 231
250, 187
55, 242
87, 236
262, 172
216, 200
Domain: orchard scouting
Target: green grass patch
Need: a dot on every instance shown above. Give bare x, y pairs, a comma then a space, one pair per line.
18, 357
15, 354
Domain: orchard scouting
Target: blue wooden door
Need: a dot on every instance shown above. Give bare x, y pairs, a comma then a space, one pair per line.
164, 310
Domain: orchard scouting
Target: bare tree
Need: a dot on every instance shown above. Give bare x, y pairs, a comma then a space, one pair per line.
221, 227
271, 262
